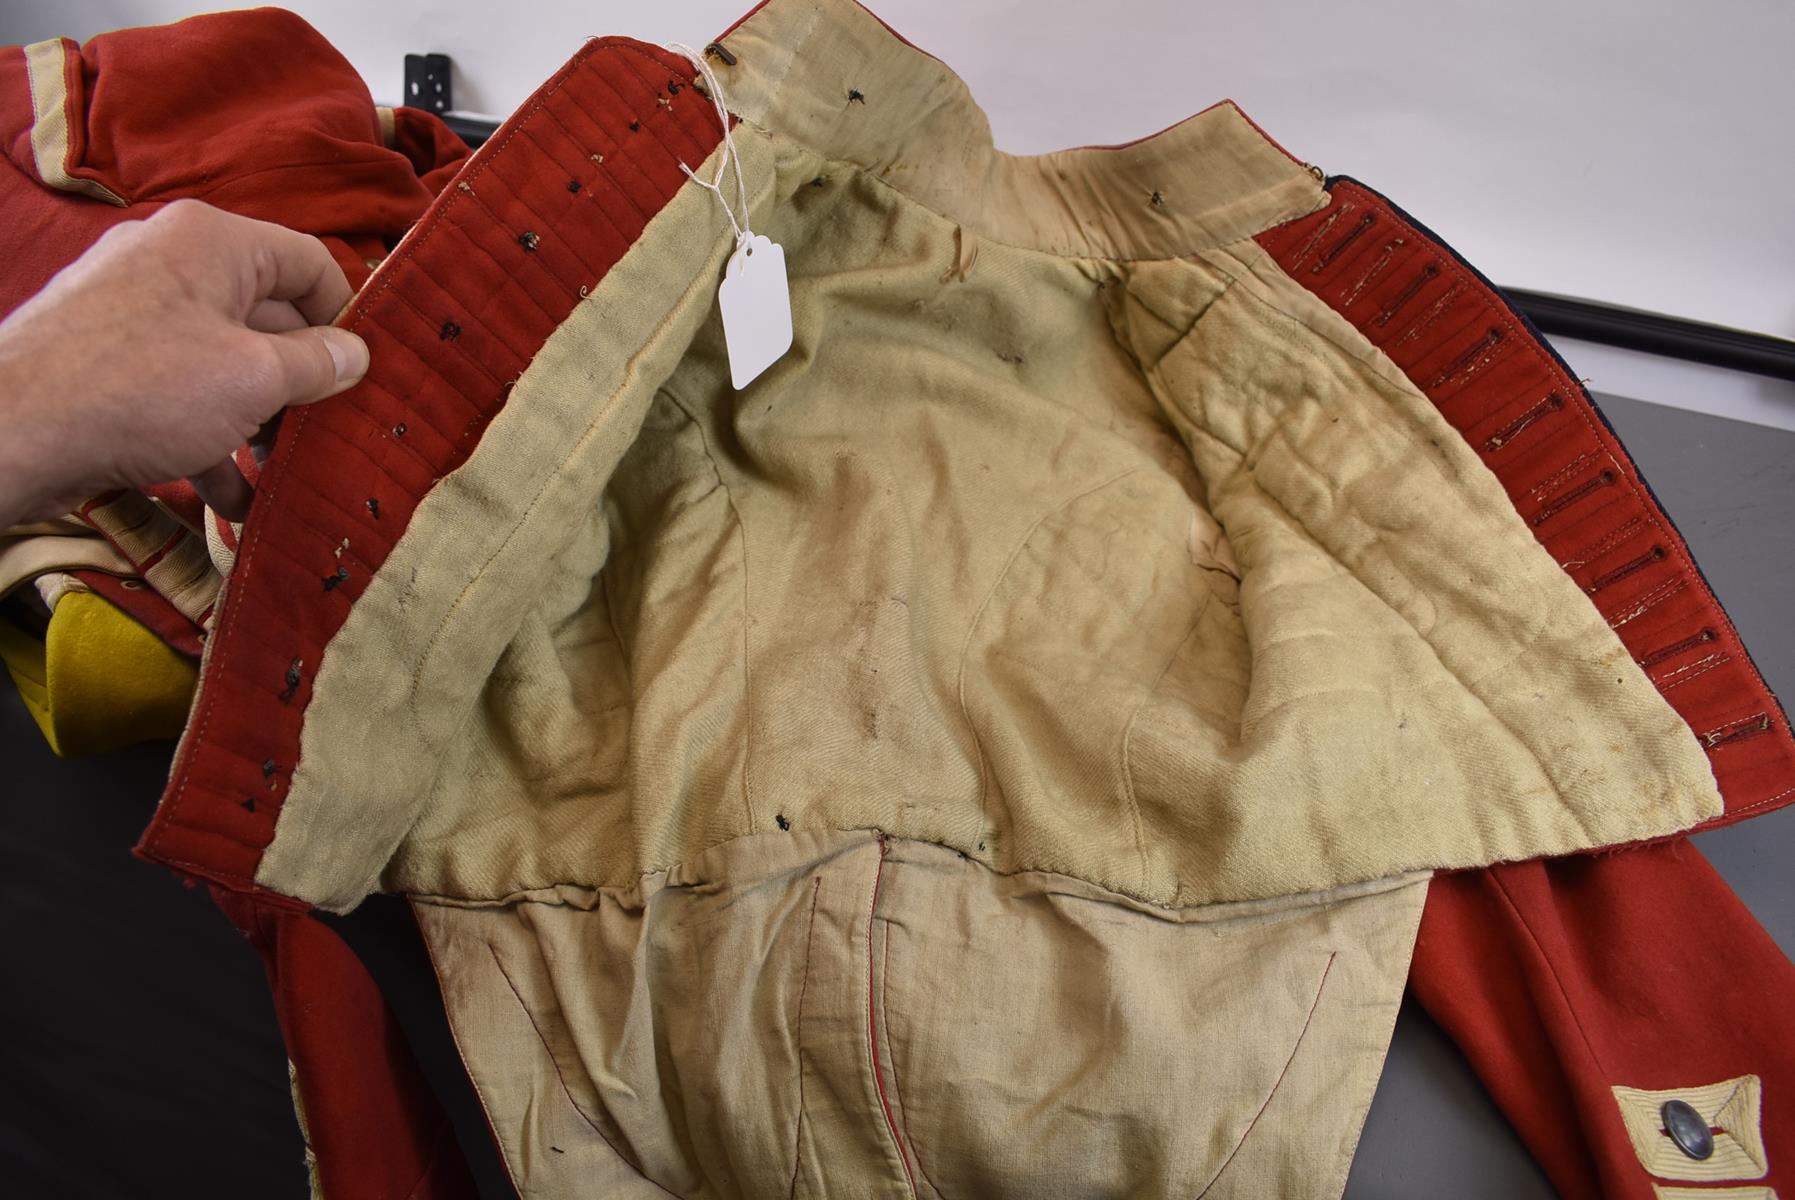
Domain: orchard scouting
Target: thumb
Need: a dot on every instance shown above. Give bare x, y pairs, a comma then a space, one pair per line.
315, 362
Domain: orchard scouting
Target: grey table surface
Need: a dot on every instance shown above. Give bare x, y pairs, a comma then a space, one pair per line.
150, 1000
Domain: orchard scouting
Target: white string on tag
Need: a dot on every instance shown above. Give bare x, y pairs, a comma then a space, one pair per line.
730, 157
754, 298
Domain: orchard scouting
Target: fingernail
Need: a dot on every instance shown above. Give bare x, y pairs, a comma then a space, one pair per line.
348, 353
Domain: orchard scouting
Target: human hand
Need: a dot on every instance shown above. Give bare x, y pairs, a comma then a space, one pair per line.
170, 343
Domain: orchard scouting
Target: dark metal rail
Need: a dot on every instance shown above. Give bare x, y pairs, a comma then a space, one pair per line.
1655, 333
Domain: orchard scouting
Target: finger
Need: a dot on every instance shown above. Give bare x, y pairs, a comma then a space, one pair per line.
275, 316
295, 267
224, 490
310, 364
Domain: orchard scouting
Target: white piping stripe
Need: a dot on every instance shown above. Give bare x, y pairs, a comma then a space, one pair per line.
44, 66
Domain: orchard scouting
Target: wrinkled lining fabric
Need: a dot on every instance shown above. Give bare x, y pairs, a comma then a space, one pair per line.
815, 1014
1534, 425
1142, 570
1080, 636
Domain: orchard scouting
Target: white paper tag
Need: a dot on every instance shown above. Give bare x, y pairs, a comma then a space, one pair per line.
757, 309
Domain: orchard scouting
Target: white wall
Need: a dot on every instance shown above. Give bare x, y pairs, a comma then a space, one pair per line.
1633, 151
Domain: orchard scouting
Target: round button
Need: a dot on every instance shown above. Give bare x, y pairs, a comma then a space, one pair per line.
1687, 1128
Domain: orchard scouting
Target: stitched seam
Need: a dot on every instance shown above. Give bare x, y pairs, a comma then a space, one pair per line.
1565, 500
1649, 601
623, 649
1134, 808
382, 429
1667, 653
1506, 435
1329, 256
1563, 475
1721, 662
1322, 231
1377, 268
436, 977
556, 1064
897, 1089
1428, 320
798, 1125
1717, 656
1301, 1035
872, 1024
1725, 731
479, 307
627, 158
425, 321
1756, 804
692, 139
979, 613
1624, 532
424, 659
619, 155
1427, 274
363, 525
508, 272
184, 769
1472, 360
741, 530
569, 212
1752, 707
1551, 969
324, 539
1586, 413
1606, 579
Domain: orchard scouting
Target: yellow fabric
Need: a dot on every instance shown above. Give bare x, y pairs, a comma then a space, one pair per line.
1741, 1193
1733, 1107
98, 680
817, 1014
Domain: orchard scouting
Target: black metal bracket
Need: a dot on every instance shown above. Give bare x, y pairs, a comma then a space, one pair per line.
427, 83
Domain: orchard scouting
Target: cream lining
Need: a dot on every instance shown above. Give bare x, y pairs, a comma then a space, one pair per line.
830, 75
934, 574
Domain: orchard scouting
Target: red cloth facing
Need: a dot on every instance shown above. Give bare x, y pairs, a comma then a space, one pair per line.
170, 112
460, 309
373, 1123
1560, 979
